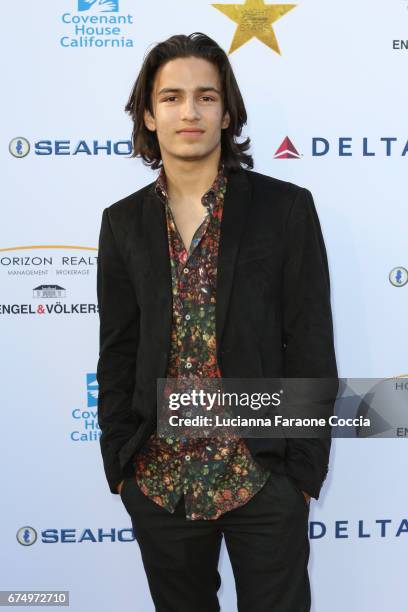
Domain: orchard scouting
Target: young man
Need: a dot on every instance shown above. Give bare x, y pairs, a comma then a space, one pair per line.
211, 270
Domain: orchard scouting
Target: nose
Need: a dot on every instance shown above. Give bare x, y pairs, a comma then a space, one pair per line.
189, 109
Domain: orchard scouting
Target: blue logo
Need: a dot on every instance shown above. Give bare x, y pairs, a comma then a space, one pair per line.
99, 6
26, 536
19, 146
96, 24
398, 276
92, 390
346, 147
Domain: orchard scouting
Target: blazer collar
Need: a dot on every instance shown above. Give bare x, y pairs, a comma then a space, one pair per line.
235, 210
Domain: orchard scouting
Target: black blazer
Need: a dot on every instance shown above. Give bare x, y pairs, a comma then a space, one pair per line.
273, 314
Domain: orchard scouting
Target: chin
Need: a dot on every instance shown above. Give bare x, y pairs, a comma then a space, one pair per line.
189, 154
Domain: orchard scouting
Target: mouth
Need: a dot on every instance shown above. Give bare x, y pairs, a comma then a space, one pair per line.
191, 132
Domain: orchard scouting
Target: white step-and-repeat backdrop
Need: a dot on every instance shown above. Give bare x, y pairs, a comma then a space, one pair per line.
327, 110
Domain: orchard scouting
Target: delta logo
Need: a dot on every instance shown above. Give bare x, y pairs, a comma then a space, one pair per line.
345, 146
287, 150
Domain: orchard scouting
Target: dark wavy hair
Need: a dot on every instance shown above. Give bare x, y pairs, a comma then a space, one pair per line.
145, 142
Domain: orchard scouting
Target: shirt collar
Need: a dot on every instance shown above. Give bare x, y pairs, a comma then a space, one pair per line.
210, 196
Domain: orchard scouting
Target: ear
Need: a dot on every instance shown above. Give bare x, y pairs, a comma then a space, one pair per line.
149, 121
226, 120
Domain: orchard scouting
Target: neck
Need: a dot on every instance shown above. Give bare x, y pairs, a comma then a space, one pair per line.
189, 180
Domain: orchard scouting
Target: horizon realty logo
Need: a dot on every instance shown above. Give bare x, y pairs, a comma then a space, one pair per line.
96, 23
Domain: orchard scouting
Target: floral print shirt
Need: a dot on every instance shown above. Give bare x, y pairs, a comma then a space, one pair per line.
214, 474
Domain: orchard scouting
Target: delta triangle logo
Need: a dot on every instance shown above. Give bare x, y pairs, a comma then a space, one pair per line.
287, 150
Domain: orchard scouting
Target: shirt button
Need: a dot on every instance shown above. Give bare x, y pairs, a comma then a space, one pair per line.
187, 457
186, 270
188, 364
187, 317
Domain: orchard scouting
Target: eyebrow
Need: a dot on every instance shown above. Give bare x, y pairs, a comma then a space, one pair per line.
178, 89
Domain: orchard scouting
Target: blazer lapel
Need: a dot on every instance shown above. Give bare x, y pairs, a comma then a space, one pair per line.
235, 210
236, 206
155, 234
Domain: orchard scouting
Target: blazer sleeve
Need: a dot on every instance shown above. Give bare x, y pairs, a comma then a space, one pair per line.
118, 341
308, 333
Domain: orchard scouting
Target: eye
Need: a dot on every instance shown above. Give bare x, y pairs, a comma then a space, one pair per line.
209, 98
168, 98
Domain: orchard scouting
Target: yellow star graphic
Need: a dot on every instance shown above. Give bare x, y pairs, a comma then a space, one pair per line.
254, 19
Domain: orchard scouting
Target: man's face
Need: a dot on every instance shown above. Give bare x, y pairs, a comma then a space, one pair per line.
186, 95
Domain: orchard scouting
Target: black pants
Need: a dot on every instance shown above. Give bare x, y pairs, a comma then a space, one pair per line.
267, 542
